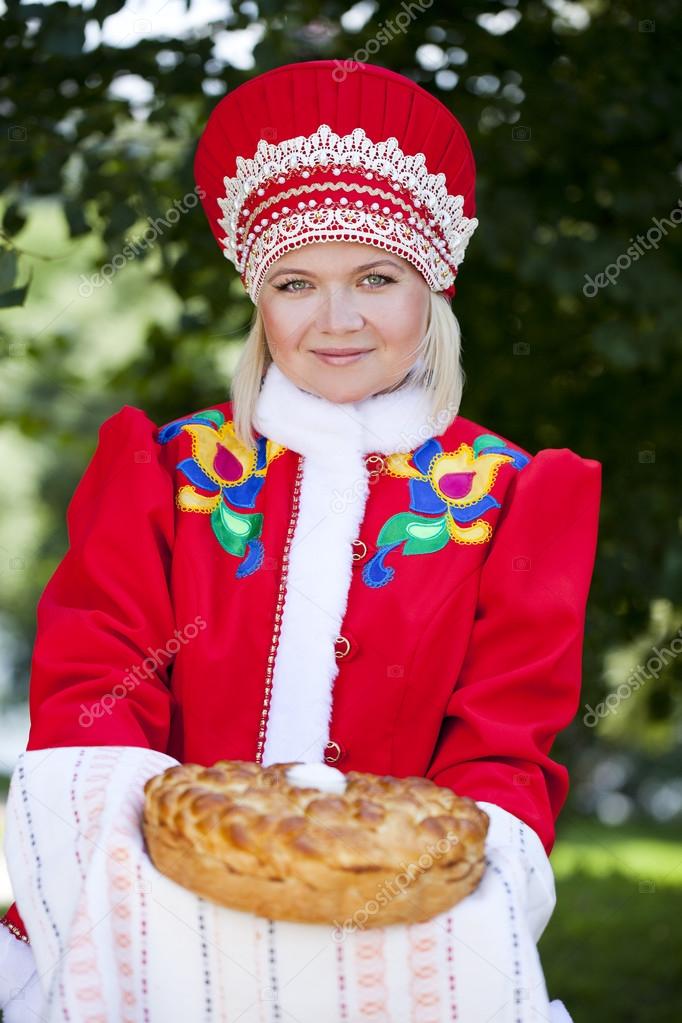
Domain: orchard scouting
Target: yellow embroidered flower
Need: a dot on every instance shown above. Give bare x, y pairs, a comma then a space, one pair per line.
231, 474
449, 492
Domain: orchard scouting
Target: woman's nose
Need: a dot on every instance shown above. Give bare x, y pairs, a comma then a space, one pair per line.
337, 312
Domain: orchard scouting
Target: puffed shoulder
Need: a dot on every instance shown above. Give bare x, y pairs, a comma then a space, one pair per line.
131, 421
545, 539
565, 460
128, 478
555, 486
128, 420
130, 425
132, 439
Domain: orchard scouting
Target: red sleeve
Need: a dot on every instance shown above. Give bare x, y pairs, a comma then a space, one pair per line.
100, 670
14, 923
521, 677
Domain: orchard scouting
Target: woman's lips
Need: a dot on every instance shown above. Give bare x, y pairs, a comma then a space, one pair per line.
341, 360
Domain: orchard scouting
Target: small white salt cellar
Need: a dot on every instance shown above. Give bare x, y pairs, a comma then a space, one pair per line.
317, 776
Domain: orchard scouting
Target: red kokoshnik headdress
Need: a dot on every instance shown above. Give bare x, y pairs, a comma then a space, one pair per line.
321, 151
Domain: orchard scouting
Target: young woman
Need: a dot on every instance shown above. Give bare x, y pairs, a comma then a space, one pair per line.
334, 566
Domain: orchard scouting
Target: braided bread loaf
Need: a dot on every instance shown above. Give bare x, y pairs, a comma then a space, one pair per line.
263, 840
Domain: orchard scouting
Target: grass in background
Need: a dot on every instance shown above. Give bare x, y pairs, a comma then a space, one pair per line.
611, 951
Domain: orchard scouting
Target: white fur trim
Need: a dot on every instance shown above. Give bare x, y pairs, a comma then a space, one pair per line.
333, 438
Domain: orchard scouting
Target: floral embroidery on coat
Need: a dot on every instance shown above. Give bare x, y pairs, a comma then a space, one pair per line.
232, 475
449, 492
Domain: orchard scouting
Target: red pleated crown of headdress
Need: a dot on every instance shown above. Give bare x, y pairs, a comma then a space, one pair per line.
304, 153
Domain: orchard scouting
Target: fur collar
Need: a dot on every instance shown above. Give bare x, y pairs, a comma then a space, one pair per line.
333, 439
318, 428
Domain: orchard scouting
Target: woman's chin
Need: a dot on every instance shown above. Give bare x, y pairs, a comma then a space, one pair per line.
343, 395
340, 391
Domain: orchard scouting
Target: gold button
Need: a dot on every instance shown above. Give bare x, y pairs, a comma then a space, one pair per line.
361, 549
332, 752
375, 466
345, 643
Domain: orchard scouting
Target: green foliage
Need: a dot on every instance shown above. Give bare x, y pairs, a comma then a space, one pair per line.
609, 952
610, 949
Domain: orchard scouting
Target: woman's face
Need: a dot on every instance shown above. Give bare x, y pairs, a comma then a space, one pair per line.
331, 296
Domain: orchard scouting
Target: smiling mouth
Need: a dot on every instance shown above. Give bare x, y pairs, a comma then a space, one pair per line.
343, 357
341, 351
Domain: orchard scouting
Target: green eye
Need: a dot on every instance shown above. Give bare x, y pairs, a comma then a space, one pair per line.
383, 279
286, 286
378, 282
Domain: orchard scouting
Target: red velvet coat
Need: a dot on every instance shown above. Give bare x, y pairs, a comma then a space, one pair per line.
460, 654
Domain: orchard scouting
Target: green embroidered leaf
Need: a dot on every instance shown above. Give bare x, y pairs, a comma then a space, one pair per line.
214, 414
230, 542
236, 524
394, 529
422, 534
423, 531
235, 521
233, 530
486, 440
425, 539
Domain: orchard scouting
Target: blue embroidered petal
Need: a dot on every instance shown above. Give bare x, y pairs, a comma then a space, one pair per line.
424, 499
253, 560
166, 433
197, 476
261, 445
244, 495
375, 573
423, 455
474, 510
518, 458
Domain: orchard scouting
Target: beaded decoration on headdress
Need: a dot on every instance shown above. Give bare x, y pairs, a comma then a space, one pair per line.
365, 185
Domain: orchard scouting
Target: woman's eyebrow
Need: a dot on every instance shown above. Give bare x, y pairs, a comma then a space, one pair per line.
364, 266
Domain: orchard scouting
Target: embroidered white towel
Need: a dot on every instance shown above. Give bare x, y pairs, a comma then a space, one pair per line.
115, 940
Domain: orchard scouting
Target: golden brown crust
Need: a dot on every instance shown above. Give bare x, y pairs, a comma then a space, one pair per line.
389, 850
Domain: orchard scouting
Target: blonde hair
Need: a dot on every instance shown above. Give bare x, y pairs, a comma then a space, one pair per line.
437, 367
